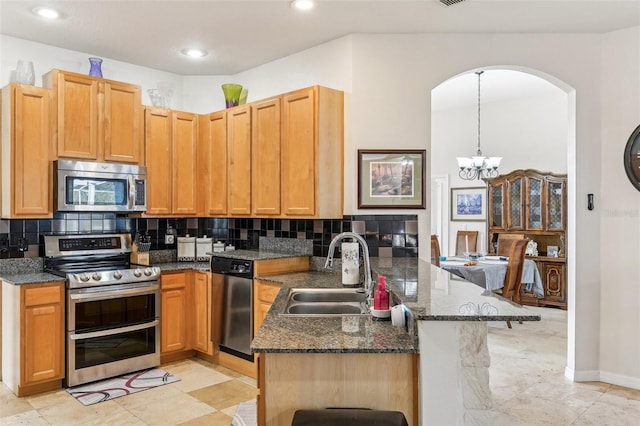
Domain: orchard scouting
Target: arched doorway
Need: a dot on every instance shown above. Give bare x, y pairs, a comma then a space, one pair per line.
528, 118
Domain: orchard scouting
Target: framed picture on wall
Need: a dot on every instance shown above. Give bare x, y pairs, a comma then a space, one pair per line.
469, 204
391, 179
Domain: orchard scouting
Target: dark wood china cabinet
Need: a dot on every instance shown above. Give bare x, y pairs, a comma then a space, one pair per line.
533, 203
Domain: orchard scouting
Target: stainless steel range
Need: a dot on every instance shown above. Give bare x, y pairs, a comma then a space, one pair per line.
112, 306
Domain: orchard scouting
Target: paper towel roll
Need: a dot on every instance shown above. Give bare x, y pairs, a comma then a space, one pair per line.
397, 315
350, 263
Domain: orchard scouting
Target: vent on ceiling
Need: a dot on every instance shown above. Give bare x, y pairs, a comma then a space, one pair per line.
450, 2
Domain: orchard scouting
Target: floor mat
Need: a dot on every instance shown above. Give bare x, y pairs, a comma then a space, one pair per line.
126, 384
246, 414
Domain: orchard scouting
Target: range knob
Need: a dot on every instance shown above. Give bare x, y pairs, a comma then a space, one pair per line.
148, 272
96, 276
137, 273
84, 277
117, 275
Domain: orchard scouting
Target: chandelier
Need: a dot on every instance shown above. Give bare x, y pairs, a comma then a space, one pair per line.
479, 166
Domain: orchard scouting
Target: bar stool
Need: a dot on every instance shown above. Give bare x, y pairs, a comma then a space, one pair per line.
348, 417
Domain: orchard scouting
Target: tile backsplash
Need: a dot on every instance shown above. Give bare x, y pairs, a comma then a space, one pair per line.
386, 235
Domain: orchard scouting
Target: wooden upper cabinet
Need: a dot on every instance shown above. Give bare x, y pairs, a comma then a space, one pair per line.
122, 123
185, 136
528, 200
26, 165
312, 153
515, 206
497, 196
95, 119
555, 213
171, 145
265, 157
159, 152
239, 160
215, 134
298, 153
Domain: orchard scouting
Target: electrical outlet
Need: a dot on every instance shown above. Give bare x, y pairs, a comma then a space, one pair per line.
169, 239
23, 244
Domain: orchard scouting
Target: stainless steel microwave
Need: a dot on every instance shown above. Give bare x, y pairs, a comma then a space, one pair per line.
84, 186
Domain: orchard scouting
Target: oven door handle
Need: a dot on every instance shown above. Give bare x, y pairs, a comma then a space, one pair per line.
112, 331
113, 292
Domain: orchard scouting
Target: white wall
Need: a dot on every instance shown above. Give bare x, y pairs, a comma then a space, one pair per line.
618, 203
328, 64
45, 58
538, 122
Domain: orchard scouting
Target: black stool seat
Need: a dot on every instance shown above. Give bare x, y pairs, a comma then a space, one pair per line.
348, 417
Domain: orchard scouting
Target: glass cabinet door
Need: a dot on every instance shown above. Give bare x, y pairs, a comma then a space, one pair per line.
556, 195
496, 201
515, 220
534, 203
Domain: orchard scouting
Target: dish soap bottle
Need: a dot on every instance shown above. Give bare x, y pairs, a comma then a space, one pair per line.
381, 295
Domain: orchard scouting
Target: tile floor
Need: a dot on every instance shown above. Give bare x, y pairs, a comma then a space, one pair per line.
527, 380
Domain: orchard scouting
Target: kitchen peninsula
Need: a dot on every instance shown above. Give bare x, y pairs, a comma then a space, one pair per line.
317, 362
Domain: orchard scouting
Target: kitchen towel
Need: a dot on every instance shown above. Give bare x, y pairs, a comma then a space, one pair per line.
115, 387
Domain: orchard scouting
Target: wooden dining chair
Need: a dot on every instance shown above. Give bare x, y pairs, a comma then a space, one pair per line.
505, 241
435, 250
513, 277
461, 241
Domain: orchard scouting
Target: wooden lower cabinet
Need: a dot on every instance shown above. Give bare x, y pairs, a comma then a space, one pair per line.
33, 350
291, 381
264, 291
554, 284
264, 294
176, 312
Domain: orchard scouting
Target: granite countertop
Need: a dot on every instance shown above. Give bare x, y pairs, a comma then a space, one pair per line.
346, 334
181, 266
433, 294
255, 255
30, 278
36, 276
429, 293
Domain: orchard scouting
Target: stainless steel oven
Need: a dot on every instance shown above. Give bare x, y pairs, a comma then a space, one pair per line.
112, 308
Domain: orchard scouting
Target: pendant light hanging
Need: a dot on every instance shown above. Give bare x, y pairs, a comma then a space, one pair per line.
479, 166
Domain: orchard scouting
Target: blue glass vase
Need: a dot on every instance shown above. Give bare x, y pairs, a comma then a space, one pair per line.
96, 67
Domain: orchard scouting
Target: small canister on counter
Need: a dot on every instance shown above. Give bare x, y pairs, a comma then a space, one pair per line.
218, 247
203, 246
186, 249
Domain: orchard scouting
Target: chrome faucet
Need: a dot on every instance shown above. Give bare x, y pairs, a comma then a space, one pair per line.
328, 264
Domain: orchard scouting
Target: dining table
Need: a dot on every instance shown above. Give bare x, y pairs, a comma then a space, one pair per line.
489, 272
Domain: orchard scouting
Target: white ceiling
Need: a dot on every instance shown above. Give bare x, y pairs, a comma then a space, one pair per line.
242, 34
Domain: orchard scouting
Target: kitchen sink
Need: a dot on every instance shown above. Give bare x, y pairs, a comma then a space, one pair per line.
326, 302
327, 295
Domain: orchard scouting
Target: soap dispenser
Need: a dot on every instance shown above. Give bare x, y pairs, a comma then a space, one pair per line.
381, 295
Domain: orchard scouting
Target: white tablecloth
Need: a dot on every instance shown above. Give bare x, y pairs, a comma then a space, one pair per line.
490, 273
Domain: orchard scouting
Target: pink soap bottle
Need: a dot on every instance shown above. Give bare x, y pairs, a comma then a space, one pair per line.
381, 295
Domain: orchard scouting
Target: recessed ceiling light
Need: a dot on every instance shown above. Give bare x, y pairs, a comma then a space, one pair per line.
46, 12
194, 53
303, 4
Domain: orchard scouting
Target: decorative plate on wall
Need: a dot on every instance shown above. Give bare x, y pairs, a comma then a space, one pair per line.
632, 158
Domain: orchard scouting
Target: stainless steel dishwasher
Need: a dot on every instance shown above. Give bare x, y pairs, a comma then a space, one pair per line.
237, 304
